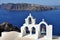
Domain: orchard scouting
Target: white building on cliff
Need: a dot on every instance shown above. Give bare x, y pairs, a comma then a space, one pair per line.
37, 31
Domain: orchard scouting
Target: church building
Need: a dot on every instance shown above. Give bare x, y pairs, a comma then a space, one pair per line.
40, 31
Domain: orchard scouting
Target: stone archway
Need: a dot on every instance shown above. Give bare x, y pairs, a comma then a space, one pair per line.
27, 30
33, 30
30, 21
43, 29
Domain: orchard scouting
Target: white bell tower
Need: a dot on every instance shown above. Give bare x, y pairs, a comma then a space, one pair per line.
30, 23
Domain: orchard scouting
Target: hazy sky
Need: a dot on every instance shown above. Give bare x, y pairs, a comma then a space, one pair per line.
43, 2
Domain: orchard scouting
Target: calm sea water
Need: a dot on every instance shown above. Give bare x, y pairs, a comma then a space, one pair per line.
16, 18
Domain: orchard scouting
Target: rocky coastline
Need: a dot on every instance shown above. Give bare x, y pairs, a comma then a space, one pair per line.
7, 27
25, 6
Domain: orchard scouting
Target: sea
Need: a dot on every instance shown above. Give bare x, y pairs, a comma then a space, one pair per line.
17, 18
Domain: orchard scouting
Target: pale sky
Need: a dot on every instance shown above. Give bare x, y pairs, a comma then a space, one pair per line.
42, 2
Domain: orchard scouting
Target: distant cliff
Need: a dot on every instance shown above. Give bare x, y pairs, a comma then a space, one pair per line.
25, 6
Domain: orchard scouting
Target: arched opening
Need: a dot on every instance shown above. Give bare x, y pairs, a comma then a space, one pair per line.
30, 21
33, 30
27, 30
43, 29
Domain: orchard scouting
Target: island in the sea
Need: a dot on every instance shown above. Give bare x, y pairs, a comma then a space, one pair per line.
25, 6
